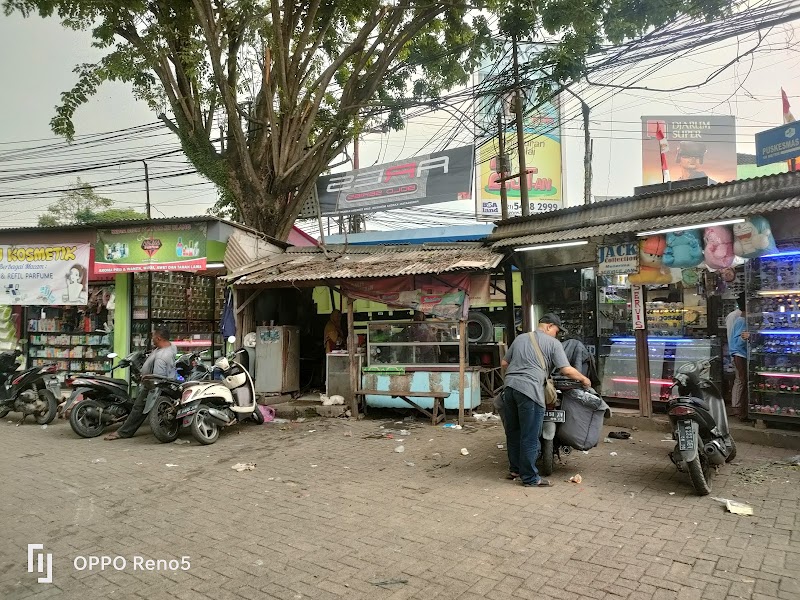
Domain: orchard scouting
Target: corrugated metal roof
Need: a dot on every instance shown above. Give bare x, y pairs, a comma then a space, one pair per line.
650, 206
663, 222
363, 262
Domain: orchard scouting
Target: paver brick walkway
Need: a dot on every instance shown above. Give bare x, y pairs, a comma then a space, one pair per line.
331, 511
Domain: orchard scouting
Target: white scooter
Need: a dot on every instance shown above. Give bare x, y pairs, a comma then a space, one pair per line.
208, 406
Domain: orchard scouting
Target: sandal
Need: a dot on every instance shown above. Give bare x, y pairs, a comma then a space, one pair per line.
619, 435
540, 483
113, 436
512, 476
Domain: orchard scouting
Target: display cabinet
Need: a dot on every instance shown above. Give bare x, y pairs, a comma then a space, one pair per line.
571, 294
773, 321
412, 343
618, 364
70, 352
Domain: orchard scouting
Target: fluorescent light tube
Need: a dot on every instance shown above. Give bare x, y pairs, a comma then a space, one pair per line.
688, 227
556, 245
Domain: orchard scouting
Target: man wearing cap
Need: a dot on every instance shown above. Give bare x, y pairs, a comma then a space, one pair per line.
524, 395
689, 157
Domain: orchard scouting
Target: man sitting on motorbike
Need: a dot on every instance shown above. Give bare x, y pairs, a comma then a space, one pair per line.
161, 362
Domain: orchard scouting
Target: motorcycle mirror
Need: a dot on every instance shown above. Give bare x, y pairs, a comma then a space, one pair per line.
231, 339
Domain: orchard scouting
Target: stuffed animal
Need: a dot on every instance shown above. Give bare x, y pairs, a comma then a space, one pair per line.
719, 247
651, 253
753, 238
683, 249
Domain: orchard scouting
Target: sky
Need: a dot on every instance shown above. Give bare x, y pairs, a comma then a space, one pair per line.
39, 56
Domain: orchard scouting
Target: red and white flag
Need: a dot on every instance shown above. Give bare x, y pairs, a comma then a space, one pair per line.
788, 117
663, 148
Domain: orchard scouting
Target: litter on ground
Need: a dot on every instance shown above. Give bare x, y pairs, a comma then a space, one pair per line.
243, 467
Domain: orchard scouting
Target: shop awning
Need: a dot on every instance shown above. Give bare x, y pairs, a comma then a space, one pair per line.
309, 266
654, 210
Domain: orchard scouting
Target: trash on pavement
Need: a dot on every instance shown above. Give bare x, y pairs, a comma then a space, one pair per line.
181, 442
452, 426
735, 507
576, 478
409, 464
793, 461
44, 426
612, 454
607, 441
500, 446
464, 452
243, 467
279, 420
400, 449
404, 432
672, 493
348, 433
170, 465
99, 460
484, 417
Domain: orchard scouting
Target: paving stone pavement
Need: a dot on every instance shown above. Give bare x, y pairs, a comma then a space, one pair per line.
330, 511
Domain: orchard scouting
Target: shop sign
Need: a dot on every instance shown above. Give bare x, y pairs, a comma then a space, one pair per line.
778, 144
177, 247
638, 307
44, 274
618, 259
425, 179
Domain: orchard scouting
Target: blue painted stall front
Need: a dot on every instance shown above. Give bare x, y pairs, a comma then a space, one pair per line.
428, 379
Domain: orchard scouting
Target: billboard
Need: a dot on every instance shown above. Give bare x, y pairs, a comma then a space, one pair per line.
44, 274
542, 126
178, 247
699, 146
426, 179
778, 144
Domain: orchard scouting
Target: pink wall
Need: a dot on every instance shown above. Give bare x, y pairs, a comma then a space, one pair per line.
298, 237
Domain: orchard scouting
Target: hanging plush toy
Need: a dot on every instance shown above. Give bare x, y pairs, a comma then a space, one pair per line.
719, 247
753, 238
651, 258
683, 249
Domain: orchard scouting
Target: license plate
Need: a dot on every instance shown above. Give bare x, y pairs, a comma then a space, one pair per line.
186, 411
685, 436
555, 416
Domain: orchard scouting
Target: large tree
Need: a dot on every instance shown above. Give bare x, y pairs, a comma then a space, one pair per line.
82, 205
292, 81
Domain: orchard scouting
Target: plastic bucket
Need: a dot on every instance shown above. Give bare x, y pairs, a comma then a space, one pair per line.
267, 411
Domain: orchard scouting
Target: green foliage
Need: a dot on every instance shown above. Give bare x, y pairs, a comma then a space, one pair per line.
112, 215
292, 81
81, 205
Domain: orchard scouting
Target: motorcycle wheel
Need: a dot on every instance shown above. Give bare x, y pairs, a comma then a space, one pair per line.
700, 473
258, 416
163, 423
83, 423
46, 415
548, 458
732, 455
204, 430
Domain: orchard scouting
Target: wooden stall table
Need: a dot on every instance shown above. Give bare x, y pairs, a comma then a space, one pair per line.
436, 416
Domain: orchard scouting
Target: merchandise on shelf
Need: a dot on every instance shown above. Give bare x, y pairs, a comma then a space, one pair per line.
773, 321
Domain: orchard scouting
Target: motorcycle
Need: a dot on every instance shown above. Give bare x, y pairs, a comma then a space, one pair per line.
164, 396
208, 407
98, 401
699, 424
34, 391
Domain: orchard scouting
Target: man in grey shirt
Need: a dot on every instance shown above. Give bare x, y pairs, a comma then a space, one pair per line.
524, 395
161, 362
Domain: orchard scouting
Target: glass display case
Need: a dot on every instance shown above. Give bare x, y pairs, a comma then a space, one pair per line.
187, 305
773, 319
666, 354
571, 295
412, 343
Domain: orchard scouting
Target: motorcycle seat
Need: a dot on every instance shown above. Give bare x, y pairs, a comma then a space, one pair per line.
699, 403
105, 379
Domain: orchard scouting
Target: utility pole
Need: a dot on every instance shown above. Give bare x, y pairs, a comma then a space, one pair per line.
587, 155
147, 188
523, 171
502, 165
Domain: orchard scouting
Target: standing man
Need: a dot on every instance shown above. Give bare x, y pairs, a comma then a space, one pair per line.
524, 395
736, 325
161, 362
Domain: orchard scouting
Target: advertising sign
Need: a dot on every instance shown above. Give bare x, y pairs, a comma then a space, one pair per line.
425, 179
638, 307
699, 146
778, 144
44, 274
178, 247
619, 259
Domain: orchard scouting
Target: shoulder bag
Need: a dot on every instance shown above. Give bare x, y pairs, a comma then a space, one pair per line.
550, 394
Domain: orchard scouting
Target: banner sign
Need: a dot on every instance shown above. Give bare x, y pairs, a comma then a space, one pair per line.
44, 274
178, 247
619, 259
699, 146
638, 308
778, 144
426, 179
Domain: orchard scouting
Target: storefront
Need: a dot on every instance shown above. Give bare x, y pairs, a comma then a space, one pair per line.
76, 294
664, 263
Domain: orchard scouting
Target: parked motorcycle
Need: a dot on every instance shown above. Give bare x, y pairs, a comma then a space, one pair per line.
208, 407
699, 424
98, 401
34, 391
164, 396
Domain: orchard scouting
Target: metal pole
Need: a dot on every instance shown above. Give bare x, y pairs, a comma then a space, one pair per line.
511, 324
147, 188
462, 367
355, 375
523, 171
643, 361
587, 156
502, 166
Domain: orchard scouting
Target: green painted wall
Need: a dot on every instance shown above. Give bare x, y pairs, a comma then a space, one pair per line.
122, 315
215, 251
